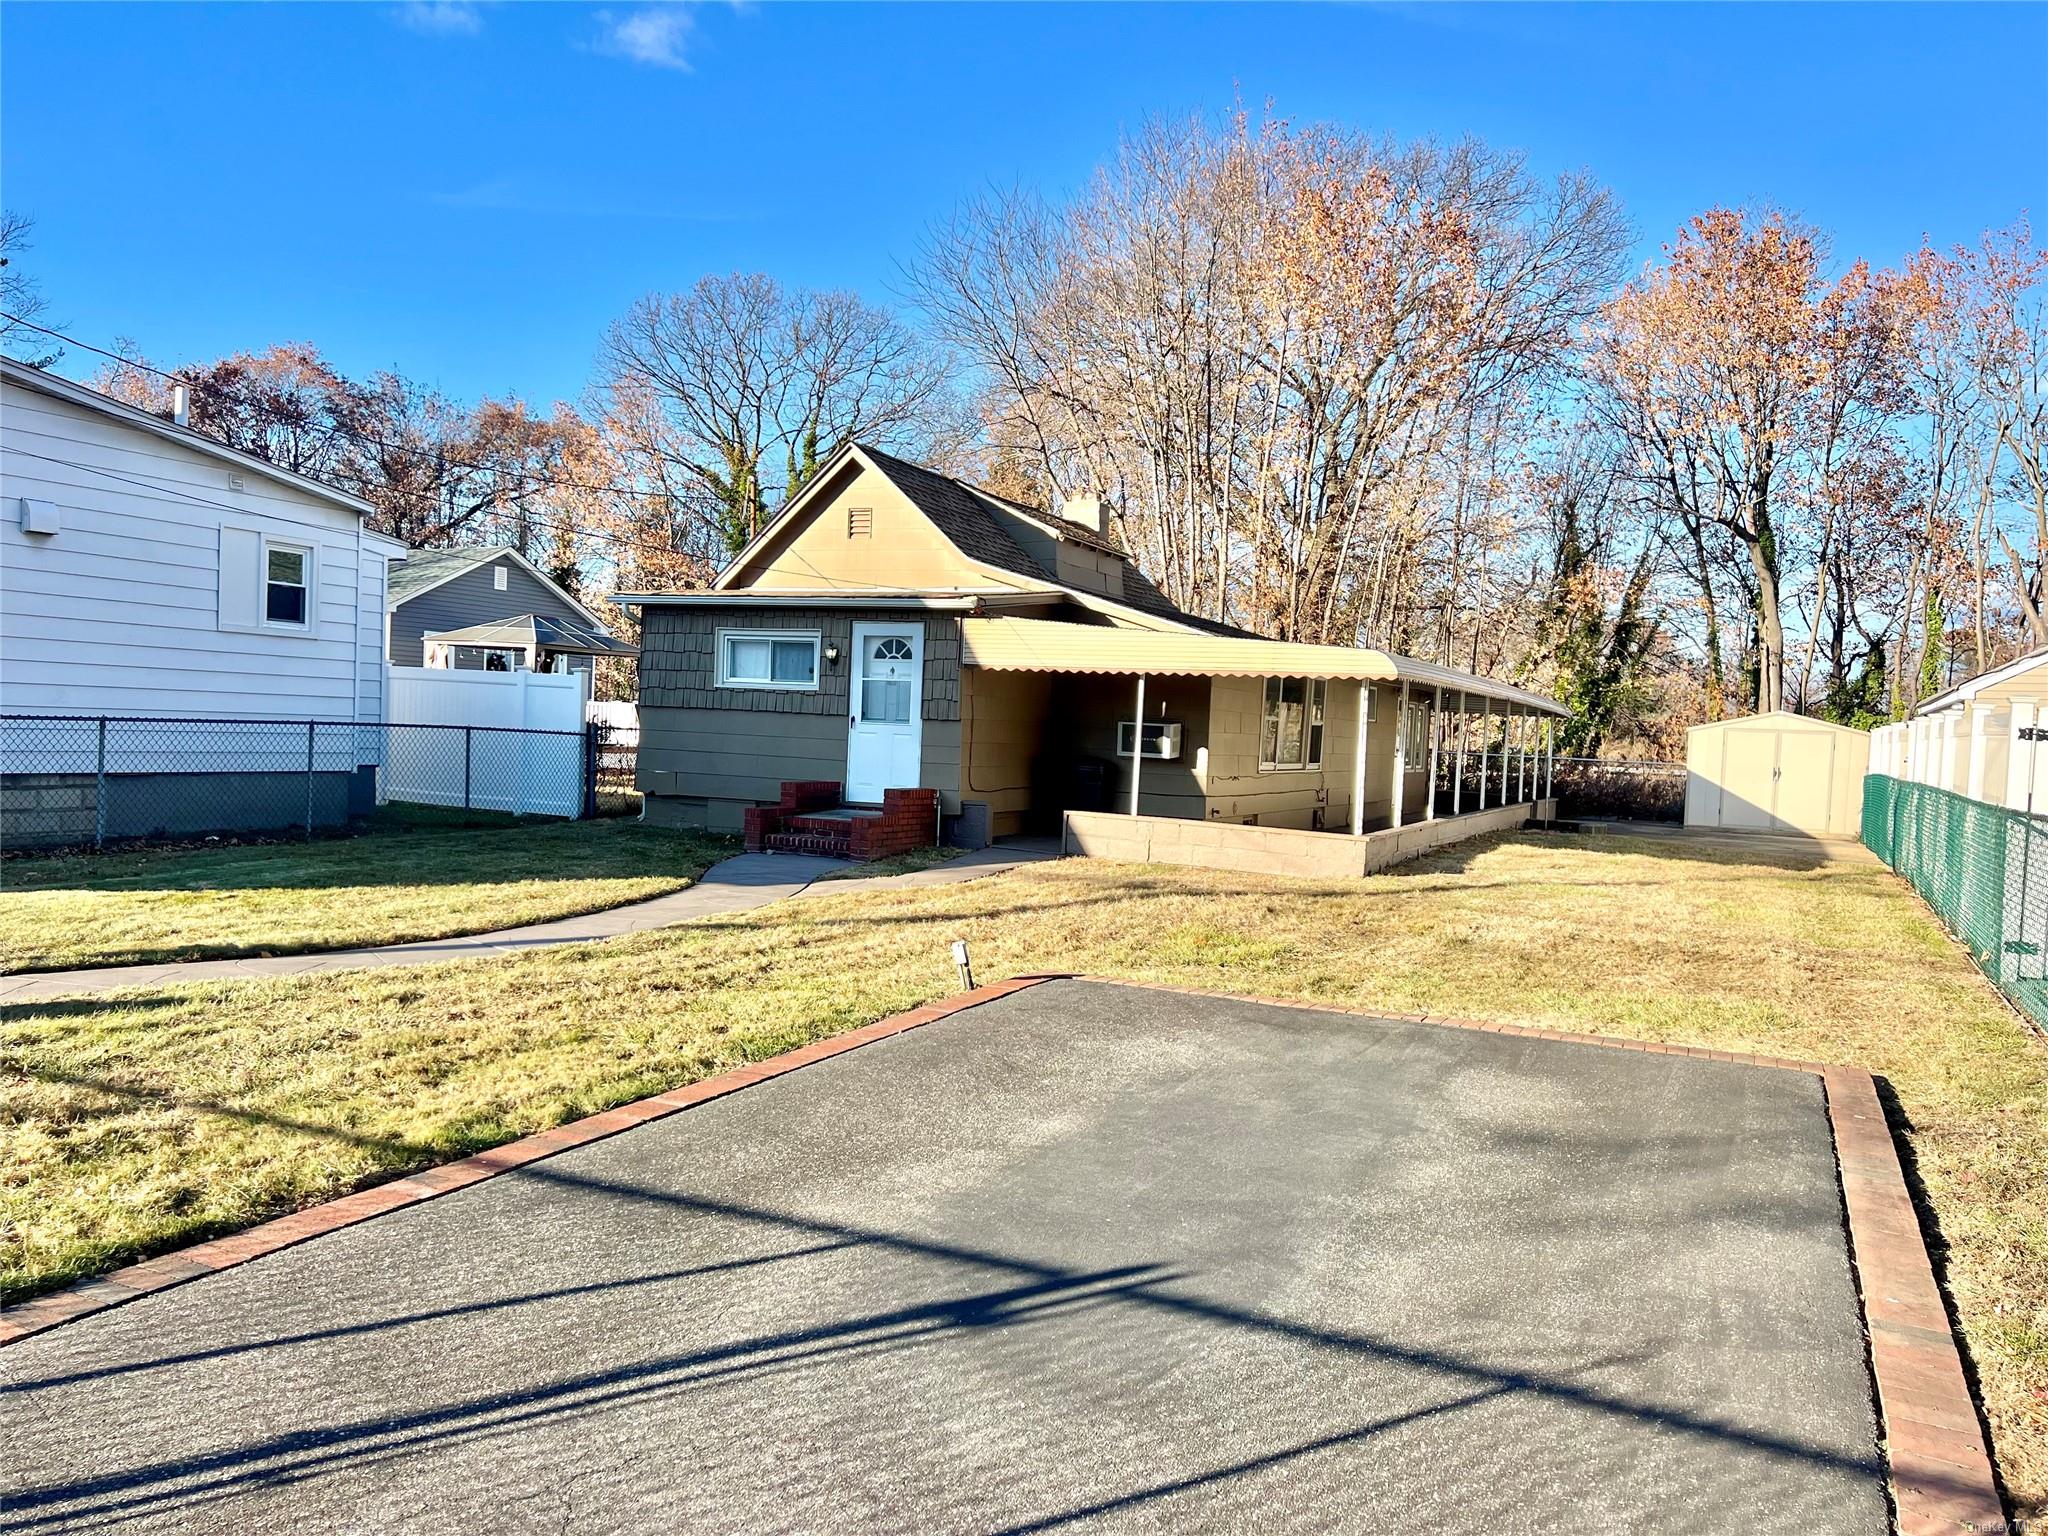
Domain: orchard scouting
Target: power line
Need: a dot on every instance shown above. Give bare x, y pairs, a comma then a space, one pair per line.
353, 433
178, 493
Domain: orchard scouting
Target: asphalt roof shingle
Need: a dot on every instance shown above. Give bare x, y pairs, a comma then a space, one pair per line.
962, 513
423, 567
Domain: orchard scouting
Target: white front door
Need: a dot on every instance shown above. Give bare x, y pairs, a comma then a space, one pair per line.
885, 724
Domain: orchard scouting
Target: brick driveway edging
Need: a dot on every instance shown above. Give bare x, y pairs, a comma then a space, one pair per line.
175, 1268
1941, 1478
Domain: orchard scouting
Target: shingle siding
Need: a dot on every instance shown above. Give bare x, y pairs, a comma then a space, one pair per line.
679, 660
471, 598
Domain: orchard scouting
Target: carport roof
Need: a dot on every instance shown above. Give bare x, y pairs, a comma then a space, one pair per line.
1039, 645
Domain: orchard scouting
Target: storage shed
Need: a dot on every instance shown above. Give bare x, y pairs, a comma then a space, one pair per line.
1777, 772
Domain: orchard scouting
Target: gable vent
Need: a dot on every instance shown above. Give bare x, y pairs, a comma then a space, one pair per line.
860, 522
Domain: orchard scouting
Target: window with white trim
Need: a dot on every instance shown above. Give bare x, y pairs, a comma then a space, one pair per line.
287, 584
768, 658
1291, 727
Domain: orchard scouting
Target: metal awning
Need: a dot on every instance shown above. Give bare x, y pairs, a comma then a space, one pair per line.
531, 632
1037, 645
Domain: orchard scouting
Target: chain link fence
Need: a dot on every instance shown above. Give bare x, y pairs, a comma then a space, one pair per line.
1613, 787
1982, 868
93, 780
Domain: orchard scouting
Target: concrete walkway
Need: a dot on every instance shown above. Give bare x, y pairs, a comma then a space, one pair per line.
737, 885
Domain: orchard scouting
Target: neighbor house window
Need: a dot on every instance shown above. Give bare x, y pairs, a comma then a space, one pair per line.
1291, 729
749, 658
287, 584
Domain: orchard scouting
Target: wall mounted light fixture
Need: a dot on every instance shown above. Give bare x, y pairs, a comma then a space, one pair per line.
832, 654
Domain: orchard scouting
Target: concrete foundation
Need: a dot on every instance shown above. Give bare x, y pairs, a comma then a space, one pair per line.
1280, 850
59, 810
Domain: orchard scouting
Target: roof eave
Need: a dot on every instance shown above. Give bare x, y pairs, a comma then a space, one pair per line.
60, 388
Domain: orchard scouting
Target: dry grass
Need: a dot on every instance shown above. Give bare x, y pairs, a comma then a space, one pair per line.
384, 887
134, 1124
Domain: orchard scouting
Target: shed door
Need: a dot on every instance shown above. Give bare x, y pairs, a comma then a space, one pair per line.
1749, 772
1806, 779
885, 725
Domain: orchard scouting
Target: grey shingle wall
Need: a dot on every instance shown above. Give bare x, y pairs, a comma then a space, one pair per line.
679, 662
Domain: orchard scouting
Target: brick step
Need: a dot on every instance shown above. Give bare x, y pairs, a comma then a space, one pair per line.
826, 844
822, 825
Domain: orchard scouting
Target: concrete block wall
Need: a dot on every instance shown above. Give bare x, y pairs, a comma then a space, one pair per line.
47, 810
1280, 850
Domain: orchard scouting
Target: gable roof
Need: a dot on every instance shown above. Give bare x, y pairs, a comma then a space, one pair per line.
426, 569
969, 519
59, 388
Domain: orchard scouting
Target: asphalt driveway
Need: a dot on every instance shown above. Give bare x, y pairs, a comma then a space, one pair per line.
1087, 1257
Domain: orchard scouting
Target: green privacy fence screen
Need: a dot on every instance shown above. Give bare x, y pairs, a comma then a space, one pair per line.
1984, 870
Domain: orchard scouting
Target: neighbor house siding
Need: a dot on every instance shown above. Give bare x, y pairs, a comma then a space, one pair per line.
713, 751
119, 612
473, 598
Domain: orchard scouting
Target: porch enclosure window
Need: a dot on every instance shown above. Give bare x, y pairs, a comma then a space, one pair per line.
1291, 729
767, 659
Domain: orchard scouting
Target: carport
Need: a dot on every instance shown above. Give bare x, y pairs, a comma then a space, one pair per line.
1087, 1256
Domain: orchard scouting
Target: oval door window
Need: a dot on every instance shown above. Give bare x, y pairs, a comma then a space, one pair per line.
886, 680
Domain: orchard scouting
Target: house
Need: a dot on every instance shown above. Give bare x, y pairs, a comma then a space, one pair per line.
899, 640
146, 571
490, 610
1980, 739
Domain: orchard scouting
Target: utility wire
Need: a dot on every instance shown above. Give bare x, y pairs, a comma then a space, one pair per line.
179, 493
536, 481
353, 433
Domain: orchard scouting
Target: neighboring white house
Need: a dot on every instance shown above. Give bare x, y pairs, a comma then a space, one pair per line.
1981, 738
148, 571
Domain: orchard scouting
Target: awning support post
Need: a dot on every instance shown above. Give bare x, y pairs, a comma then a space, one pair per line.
1138, 745
1458, 760
1401, 752
1549, 759
1436, 730
1358, 761
1485, 745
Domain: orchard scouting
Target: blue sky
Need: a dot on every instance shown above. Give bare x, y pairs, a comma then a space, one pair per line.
470, 193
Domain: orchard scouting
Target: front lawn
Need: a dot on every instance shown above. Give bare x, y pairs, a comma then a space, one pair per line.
392, 885
132, 1124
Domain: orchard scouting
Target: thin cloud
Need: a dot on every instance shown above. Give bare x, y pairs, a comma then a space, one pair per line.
653, 35
441, 18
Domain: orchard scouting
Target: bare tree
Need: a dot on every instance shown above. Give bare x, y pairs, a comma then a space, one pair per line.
21, 297
744, 387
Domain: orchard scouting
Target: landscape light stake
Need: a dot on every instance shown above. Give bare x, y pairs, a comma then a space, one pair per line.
964, 965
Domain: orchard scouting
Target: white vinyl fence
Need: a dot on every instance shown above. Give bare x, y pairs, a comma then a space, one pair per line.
494, 741
1994, 755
